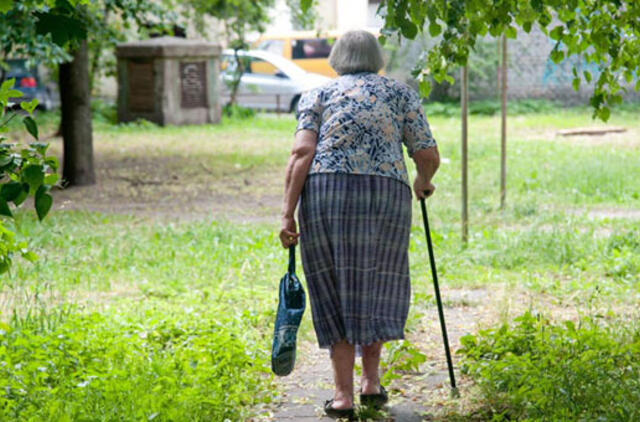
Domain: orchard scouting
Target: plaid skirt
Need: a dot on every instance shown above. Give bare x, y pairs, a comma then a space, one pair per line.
354, 241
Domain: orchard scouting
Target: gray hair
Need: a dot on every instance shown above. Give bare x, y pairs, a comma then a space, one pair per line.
356, 51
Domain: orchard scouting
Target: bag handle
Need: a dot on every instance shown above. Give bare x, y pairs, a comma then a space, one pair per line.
292, 259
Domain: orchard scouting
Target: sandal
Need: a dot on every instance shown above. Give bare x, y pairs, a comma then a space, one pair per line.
332, 412
375, 400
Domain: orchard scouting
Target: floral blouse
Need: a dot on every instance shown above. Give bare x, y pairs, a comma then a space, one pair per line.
362, 120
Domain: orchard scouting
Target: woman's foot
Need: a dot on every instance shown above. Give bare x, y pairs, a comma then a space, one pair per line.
377, 399
342, 401
369, 386
337, 409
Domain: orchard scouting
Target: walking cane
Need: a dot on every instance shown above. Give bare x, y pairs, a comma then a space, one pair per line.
452, 378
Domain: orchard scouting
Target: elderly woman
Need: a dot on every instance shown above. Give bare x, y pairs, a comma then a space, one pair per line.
347, 170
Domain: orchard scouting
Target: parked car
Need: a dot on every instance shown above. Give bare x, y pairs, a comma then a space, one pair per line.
29, 82
269, 81
308, 49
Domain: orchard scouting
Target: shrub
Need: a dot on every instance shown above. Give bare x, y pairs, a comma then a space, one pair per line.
160, 365
538, 370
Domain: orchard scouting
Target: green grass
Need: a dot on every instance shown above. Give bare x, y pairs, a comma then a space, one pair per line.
127, 317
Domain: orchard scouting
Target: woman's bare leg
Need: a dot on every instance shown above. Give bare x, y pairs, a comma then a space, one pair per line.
370, 373
343, 358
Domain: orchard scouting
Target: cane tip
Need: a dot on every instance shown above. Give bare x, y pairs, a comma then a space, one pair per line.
455, 393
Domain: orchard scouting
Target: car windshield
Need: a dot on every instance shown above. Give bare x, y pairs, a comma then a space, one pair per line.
272, 61
287, 66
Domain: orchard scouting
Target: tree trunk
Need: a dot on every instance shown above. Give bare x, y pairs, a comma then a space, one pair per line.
75, 104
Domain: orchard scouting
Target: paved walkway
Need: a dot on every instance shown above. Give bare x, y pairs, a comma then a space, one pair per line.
311, 383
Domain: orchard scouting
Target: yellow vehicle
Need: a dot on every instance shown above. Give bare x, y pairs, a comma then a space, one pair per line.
308, 49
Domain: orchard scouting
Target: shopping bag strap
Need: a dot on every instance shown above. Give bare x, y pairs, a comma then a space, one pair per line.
292, 259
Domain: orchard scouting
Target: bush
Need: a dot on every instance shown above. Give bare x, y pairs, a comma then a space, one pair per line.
537, 370
161, 365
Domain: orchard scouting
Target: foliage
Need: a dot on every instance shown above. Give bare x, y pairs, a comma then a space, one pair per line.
161, 364
401, 357
24, 171
178, 260
602, 32
46, 29
107, 23
483, 60
19, 38
235, 111
539, 370
303, 18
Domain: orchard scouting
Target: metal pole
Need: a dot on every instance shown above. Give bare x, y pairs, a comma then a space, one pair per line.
436, 287
503, 132
464, 100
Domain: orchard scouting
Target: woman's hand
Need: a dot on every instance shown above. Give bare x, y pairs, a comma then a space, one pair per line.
289, 233
421, 185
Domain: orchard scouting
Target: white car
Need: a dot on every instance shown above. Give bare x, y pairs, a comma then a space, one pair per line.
269, 81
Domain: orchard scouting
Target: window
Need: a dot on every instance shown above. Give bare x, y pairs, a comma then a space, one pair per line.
316, 48
262, 67
272, 46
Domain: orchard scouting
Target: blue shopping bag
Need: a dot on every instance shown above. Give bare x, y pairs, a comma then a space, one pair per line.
291, 305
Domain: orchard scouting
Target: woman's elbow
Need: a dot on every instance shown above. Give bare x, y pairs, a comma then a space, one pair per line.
304, 148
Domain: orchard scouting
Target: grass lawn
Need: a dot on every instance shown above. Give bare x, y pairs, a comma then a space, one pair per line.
155, 290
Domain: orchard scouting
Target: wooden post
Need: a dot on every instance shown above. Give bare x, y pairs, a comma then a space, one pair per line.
464, 100
503, 132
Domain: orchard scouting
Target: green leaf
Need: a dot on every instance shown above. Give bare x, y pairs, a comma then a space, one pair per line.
575, 83
605, 112
24, 193
4, 208
305, 5
10, 191
511, 32
52, 162
31, 126
557, 56
14, 93
43, 202
587, 76
409, 29
51, 179
556, 33
33, 174
425, 87
29, 106
7, 85
434, 29
61, 27
5, 5
29, 256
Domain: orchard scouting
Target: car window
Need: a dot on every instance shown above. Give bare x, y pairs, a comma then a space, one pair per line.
311, 48
262, 67
228, 63
272, 46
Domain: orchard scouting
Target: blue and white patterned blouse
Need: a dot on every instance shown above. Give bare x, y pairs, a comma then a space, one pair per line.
362, 120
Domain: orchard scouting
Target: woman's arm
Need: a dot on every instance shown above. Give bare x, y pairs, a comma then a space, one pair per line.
427, 162
302, 154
